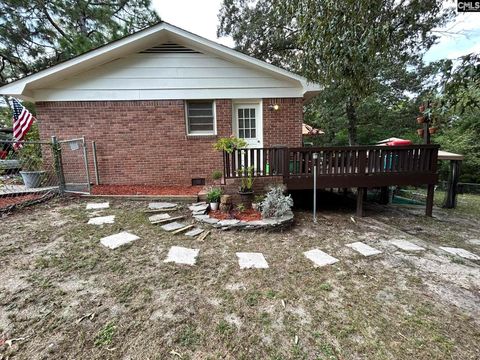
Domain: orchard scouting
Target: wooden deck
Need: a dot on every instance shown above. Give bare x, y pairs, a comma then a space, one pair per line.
358, 167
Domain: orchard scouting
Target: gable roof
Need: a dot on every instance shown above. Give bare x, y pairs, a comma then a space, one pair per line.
138, 42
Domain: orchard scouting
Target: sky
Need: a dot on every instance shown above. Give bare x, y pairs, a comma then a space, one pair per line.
200, 17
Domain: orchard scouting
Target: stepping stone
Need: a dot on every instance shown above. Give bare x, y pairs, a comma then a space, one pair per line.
159, 217
319, 257
460, 252
110, 219
251, 260
210, 220
181, 255
201, 212
194, 232
199, 203
117, 240
161, 205
364, 249
173, 226
406, 245
196, 208
228, 222
96, 206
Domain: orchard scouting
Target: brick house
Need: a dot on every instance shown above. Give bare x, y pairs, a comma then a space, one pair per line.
155, 102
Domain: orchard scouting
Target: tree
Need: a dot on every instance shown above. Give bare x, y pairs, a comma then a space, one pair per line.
35, 34
352, 47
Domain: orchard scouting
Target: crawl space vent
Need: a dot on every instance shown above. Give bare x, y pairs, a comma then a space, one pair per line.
169, 48
198, 181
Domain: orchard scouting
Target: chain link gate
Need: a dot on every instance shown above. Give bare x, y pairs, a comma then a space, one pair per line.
74, 173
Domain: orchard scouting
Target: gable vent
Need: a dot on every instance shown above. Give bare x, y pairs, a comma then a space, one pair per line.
169, 48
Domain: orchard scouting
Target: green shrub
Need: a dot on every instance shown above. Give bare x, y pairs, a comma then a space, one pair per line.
217, 175
229, 144
214, 194
276, 204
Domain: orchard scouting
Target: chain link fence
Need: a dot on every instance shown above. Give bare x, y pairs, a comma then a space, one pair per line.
36, 170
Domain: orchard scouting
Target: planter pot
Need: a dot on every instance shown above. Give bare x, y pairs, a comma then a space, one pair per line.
214, 206
420, 119
432, 130
420, 132
421, 108
246, 198
32, 179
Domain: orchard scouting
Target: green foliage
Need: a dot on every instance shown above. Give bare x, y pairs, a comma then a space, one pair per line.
213, 195
105, 336
36, 34
247, 179
30, 156
229, 144
217, 175
240, 208
351, 47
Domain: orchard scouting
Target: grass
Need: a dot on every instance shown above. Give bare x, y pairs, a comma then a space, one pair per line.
393, 306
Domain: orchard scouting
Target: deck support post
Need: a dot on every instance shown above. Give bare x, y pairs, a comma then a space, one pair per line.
450, 201
429, 205
361, 191
384, 195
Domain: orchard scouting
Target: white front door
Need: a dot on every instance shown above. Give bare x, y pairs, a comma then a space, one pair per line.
248, 122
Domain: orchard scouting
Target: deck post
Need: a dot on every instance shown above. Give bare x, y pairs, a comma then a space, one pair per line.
450, 201
384, 195
429, 205
360, 195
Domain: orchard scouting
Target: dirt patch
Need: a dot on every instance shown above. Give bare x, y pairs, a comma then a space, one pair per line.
245, 215
66, 296
145, 190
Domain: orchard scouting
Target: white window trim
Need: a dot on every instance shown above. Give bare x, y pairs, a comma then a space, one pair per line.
201, 133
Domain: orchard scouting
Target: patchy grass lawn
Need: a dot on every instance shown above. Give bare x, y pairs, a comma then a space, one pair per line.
63, 295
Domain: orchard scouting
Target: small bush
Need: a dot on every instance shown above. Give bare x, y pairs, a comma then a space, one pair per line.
276, 204
217, 175
214, 195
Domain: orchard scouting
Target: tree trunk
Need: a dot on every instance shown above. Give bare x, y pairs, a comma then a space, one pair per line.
352, 121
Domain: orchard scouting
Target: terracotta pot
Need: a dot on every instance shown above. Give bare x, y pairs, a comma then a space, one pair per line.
421, 108
420, 132
432, 130
420, 119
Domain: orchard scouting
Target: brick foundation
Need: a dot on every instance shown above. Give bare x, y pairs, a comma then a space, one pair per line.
145, 142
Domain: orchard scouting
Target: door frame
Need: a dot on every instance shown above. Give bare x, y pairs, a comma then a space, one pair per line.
255, 102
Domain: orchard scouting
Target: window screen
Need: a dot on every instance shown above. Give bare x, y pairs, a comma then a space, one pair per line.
200, 117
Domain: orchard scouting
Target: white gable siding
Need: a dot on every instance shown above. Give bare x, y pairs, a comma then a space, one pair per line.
144, 76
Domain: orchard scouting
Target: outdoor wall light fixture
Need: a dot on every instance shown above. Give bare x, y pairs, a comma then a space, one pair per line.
274, 107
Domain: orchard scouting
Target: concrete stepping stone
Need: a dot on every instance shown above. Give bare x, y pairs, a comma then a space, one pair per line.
198, 208
110, 219
364, 249
96, 206
158, 217
117, 240
248, 260
182, 255
161, 205
201, 212
173, 226
228, 222
460, 252
320, 258
406, 245
194, 232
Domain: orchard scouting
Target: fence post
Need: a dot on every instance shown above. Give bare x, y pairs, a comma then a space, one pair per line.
95, 163
85, 157
57, 156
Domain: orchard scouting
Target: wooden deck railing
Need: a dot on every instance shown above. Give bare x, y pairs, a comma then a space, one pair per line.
348, 166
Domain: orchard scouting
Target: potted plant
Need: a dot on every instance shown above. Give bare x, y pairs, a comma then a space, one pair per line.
229, 144
257, 202
213, 197
216, 176
420, 119
31, 160
420, 132
246, 187
432, 130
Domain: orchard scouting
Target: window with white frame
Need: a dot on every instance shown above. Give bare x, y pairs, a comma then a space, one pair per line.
200, 117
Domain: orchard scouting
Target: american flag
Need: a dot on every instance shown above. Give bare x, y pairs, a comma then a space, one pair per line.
22, 121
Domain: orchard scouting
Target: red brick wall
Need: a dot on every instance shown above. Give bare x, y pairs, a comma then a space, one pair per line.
145, 142
283, 126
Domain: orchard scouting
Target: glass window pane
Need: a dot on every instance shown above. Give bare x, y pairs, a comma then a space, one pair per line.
252, 112
241, 134
240, 124
246, 112
253, 133
200, 116
247, 133
240, 113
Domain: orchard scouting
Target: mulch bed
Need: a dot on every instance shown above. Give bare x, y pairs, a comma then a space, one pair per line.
145, 190
246, 215
19, 199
